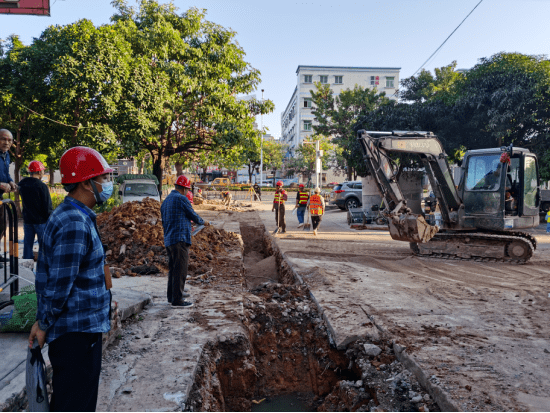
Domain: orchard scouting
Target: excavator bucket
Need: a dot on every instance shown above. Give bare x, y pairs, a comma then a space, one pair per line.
412, 228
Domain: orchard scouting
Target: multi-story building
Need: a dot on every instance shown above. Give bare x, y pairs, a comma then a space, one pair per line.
297, 120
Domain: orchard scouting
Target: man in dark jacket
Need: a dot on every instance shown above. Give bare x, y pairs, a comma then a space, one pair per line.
37, 206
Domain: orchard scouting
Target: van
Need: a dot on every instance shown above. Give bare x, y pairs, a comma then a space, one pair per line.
138, 190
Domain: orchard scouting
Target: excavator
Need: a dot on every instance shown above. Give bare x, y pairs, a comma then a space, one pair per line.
481, 218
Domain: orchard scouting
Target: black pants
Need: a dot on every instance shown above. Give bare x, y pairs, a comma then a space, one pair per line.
280, 216
178, 260
315, 221
76, 364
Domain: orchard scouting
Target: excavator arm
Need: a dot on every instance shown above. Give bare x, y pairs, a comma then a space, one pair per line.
404, 225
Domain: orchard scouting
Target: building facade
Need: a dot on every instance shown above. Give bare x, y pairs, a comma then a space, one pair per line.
297, 120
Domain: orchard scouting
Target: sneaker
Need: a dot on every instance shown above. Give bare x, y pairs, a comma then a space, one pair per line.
300, 226
314, 232
183, 304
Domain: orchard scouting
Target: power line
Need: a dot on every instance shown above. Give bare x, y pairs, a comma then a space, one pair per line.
45, 117
448, 38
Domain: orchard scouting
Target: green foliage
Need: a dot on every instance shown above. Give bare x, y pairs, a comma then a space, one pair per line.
304, 161
503, 100
338, 117
57, 199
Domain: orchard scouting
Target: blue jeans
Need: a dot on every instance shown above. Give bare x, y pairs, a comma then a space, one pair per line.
300, 213
548, 227
30, 230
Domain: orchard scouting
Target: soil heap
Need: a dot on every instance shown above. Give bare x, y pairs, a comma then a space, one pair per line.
134, 238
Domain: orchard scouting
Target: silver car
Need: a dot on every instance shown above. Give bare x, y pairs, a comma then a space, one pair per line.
347, 195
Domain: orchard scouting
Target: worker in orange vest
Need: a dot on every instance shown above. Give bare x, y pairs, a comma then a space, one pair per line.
316, 209
279, 206
302, 197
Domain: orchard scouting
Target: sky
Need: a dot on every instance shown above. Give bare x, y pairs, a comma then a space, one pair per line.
279, 36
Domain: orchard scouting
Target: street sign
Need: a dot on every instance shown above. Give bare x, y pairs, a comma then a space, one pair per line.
30, 7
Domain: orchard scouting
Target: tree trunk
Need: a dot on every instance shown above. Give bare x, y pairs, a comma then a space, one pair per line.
250, 170
52, 176
348, 170
179, 168
158, 169
142, 166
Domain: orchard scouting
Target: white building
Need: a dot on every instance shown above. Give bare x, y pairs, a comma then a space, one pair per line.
297, 120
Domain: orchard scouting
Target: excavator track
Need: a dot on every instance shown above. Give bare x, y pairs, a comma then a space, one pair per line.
511, 247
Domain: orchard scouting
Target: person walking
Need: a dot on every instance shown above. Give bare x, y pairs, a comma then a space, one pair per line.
316, 209
279, 206
302, 198
37, 207
548, 222
71, 285
177, 214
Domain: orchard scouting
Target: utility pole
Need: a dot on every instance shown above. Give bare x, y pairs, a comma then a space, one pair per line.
262, 143
318, 156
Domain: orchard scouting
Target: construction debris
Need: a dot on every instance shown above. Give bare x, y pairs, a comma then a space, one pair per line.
134, 238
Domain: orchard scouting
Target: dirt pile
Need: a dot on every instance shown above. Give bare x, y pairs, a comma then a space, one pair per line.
218, 205
134, 237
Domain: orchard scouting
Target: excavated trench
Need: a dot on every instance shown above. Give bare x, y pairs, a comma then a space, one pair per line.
287, 361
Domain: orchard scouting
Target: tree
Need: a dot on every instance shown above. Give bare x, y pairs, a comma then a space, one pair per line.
338, 117
274, 153
304, 161
186, 75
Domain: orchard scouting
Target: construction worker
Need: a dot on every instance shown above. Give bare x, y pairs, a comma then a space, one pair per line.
37, 206
71, 284
316, 209
279, 206
177, 214
302, 198
548, 222
257, 192
226, 195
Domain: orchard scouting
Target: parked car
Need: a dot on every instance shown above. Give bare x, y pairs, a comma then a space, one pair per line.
138, 190
267, 183
347, 195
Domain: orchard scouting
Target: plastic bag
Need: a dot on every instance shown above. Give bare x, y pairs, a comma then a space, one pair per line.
37, 393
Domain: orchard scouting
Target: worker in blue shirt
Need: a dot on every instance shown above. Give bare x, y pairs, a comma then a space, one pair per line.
71, 285
6, 181
548, 222
177, 214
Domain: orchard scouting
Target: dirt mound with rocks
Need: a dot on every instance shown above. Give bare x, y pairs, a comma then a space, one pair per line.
134, 237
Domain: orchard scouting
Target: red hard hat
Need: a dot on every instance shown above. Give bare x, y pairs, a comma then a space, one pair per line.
36, 166
81, 163
301, 186
279, 183
183, 181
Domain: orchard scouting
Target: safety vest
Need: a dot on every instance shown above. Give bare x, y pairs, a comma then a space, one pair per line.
548, 216
315, 205
279, 197
302, 198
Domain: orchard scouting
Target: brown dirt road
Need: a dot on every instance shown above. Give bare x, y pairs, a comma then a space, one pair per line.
479, 330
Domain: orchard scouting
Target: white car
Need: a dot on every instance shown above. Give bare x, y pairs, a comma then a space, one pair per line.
138, 190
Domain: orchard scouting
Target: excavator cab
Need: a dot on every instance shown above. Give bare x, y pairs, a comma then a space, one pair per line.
500, 195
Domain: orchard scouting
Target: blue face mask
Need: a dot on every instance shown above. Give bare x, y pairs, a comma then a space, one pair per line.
106, 192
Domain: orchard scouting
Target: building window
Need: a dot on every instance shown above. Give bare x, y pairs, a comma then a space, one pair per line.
338, 80
307, 103
374, 80
307, 125
389, 81
323, 79
308, 79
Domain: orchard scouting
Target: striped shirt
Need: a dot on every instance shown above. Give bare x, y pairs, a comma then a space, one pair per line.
70, 281
177, 214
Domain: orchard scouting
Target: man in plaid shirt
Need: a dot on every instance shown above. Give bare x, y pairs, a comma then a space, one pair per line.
73, 299
177, 214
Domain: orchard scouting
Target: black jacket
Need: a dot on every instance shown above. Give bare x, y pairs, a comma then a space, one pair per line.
37, 202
